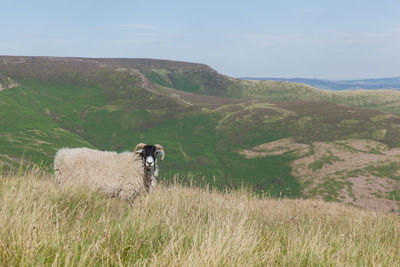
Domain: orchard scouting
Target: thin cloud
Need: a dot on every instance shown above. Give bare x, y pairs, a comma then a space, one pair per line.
309, 11
266, 40
391, 36
386, 36
135, 26
154, 38
135, 41
148, 34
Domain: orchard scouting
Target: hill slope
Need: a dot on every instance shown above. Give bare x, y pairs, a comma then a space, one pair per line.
113, 104
201, 79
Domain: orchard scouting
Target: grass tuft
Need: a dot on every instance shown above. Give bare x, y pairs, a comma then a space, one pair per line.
43, 224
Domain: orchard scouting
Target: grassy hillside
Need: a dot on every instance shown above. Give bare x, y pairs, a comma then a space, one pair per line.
383, 100
44, 225
27, 134
110, 110
111, 105
200, 79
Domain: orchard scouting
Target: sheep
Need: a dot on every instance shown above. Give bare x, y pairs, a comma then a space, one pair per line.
116, 175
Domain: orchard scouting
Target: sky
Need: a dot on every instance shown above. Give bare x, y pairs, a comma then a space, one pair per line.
327, 39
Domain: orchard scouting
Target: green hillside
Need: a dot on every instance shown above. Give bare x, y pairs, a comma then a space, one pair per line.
27, 133
113, 104
201, 79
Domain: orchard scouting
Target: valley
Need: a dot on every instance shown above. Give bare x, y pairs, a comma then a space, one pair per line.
278, 138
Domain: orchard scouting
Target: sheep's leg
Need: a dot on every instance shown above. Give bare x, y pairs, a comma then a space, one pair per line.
153, 184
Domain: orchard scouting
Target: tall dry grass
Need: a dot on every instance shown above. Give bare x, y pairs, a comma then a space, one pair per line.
41, 224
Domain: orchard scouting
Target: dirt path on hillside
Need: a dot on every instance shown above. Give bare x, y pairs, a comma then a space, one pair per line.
150, 87
185, 97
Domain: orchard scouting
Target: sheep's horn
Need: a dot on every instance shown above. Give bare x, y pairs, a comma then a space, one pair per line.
161, 149
138, 146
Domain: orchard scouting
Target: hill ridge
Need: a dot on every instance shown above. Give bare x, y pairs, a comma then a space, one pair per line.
369, 84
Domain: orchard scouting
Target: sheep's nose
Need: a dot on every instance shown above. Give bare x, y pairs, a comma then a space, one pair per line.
149, 161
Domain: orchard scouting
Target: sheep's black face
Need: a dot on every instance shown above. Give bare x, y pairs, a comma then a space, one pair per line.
149, 156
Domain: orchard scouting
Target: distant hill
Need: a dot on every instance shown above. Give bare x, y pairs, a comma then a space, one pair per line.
381, 83
281, 138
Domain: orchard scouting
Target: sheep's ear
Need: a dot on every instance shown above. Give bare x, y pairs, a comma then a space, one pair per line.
161, 153
138, 152
138, 148
160, 150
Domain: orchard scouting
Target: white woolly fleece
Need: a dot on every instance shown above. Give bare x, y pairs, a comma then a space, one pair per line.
117, 175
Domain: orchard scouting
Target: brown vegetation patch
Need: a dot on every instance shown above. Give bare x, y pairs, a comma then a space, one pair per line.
353, 164
365, 145
355, 171
382, 117
346, 157
369, 192
282, 110
7, 83
278, 147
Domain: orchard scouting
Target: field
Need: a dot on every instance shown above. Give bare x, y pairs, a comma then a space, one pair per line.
45, 225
